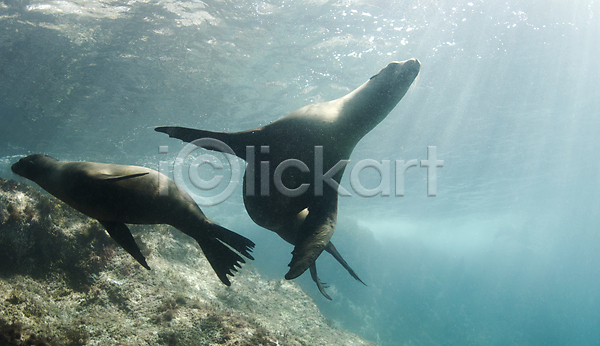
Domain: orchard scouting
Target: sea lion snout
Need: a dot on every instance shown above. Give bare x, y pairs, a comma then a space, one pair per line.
409, 68
22, 166
16, 167
399, 72
412, 64
404, 73
29, 166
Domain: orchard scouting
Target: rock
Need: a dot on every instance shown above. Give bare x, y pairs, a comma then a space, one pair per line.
64, 282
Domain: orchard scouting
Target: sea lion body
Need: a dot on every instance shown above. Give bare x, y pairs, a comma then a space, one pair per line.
321, 136
117, 195
87, 186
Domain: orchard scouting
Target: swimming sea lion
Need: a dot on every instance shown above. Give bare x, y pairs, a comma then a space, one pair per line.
319, 136
117, 194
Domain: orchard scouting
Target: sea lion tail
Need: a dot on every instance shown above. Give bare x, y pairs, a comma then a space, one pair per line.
222, 259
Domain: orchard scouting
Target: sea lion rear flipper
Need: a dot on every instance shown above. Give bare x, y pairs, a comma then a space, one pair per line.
121, 234
320, 285
333, 251
238, 242
236, 141
314, 235
222, 259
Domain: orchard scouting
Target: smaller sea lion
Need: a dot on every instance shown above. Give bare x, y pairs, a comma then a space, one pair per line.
117, 194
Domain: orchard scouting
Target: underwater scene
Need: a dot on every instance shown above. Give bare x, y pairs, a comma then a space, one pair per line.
177, 172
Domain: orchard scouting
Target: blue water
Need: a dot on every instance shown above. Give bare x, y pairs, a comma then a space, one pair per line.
508, 250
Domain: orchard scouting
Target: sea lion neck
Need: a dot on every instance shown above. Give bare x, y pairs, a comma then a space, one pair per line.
366, 106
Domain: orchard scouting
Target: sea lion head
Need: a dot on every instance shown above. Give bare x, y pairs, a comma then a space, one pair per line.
370, 103
32, 166
395, 79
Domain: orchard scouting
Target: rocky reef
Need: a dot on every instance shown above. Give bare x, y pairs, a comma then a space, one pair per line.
63, 281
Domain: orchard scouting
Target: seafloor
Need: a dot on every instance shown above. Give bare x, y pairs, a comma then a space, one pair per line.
63, 281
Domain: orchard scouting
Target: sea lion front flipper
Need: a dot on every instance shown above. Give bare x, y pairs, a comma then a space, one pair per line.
320, 285
236, 141
314, 235
115, 177
122, 235
333, 251
186, 134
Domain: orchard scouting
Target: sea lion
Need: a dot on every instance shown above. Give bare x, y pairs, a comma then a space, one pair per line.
116, 195
321, 136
